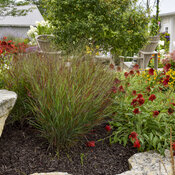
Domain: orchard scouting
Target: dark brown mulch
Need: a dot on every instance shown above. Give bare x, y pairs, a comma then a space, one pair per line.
23, 153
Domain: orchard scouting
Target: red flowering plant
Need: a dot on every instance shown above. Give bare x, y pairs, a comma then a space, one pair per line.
169, 61
144, 112
169, 69
8, 49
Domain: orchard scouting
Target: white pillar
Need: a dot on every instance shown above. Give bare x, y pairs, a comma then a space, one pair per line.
172, 47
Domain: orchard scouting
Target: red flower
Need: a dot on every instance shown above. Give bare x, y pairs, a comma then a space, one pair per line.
134, 92
136, 143
126, 74
141, 101
134, 102
91, 144
138, 72
136, 111
148, 89
151, 71
167, 67
152, 97
108, 127
121, 89
160, 89
165, 81
173, 104
114, 89
111, 66
136, 67
170, 110
168, 76
173, 145
131, 72
3, 43
155, 113
133, 135
116, 81
4, 38
139, 96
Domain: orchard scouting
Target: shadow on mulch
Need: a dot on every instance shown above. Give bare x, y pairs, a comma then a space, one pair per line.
23, 153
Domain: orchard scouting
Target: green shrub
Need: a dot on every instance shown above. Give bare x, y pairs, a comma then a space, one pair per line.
110, 24
17, 40
150, 119
67, 102
166, 38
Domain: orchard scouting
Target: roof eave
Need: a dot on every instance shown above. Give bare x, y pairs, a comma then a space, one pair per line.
167, 14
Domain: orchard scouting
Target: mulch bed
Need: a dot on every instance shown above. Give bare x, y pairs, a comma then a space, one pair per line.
22, 152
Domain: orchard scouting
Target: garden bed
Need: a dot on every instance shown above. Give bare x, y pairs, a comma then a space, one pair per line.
22, 152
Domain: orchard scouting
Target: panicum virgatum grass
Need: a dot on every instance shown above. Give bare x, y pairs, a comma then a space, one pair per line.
67, 99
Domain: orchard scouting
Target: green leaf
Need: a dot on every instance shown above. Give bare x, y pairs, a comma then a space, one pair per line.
155, 139
151, 137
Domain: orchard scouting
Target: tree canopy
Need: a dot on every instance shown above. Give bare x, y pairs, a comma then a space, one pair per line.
111, 24
9, 7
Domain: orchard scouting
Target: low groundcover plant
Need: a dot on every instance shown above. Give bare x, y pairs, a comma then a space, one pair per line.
144, 110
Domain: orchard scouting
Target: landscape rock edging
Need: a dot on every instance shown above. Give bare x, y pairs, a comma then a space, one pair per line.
150, 163
7, 101
53, 173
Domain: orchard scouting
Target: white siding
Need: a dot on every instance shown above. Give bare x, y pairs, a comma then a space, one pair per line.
20, 32
172, 33
165, 22
169, 21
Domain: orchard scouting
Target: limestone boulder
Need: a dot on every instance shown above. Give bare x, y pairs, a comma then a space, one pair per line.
53, 173
150, 163
7, 101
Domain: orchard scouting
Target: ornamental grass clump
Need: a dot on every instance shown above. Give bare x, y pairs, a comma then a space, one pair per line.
10, 75
144, 107
67, 100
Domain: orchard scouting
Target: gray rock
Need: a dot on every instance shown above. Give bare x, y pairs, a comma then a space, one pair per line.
7, 101
150, 163
53, 173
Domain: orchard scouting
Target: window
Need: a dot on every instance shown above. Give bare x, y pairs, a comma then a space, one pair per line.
166, 29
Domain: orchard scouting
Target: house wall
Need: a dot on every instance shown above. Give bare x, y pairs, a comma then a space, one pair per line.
165, 22
168, 22
19, 32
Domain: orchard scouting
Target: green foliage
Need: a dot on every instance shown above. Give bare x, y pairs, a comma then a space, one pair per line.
42, 28
117, 25
82, 156
17, 40
14, 80
67, 102
154, 27
166, 38
10, 8
1, 80
153, 131
160, 58
39, 4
